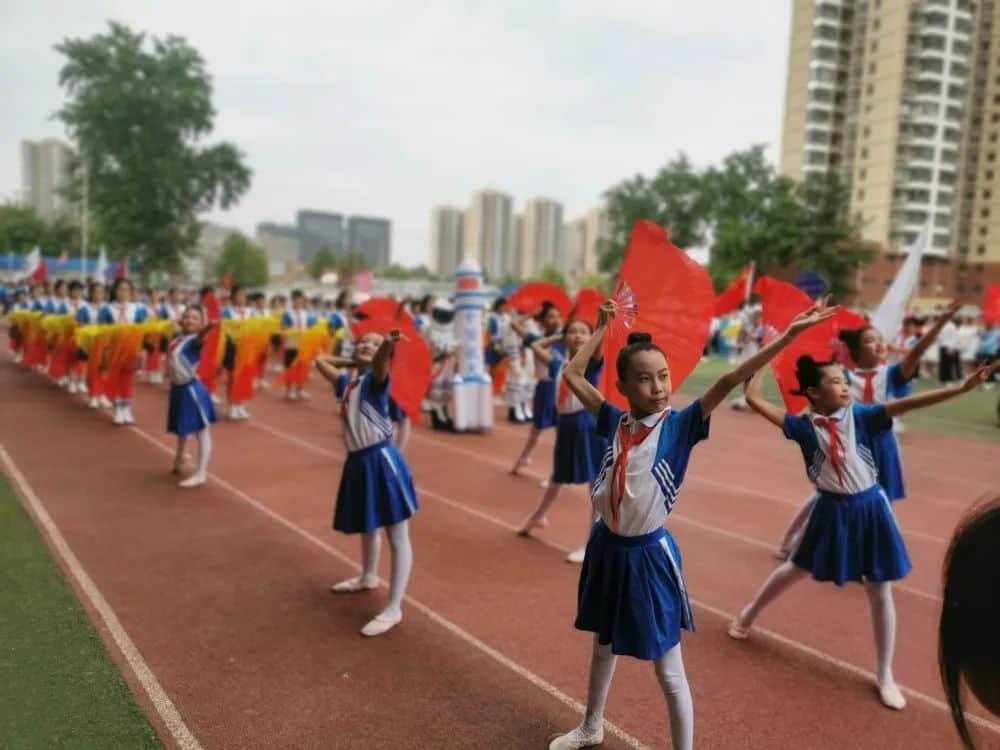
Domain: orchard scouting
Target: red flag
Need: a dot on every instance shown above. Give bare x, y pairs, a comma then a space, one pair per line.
674, 295
736, 293
782, 302
122, 272
227, 280
410, 373
209, 362
41, 272
991, 304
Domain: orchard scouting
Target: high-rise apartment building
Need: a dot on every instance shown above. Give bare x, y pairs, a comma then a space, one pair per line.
45, 169
581, 239
281, 241
487, 230
541, 237
372, 238
446, 239
319, 229
882, 92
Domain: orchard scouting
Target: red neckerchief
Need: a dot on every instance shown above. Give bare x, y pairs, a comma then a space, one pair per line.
836, 447
869, 394
619, 472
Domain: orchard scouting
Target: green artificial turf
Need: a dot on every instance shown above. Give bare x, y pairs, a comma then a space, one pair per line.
58, 686
973, 415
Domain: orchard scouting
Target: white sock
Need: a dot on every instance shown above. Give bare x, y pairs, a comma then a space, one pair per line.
402, 564
884, 624
548, 498
673, 680
793, 535
204, 451
371, 545
783, 576
181, 444
602, 669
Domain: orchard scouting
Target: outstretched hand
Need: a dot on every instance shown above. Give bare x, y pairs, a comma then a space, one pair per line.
396, 335
811, 317
979, 377
607, 311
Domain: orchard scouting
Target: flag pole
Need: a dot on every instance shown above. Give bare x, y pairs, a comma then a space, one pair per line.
84, 228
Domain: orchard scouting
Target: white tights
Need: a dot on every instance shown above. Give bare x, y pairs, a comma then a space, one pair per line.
673, 681
401, 435
402, 562
879, 600
797, 527
549, 497
204, 450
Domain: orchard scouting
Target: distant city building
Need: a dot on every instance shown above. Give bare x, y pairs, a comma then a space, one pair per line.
446, 239
487, 231
281, 241
45, 169
372, 238
542, 237
516, 244
575, 241
318, 229
598, 228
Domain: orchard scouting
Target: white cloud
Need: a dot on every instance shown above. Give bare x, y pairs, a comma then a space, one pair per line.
387, 108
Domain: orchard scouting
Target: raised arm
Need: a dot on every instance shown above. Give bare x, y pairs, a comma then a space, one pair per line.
909, 364
753, 389
330, 367
921, 400
574, 374
383, 357
803, 321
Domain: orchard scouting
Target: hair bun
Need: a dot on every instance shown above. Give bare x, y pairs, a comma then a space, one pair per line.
638, 337
805, 362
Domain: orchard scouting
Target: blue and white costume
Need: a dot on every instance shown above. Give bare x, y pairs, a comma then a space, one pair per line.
632, 593
887, 383
190, 410
579, 450
376, 488
544, 413
122, 312
851, 532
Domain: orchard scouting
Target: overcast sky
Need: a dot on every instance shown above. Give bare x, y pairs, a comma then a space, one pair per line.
388, 108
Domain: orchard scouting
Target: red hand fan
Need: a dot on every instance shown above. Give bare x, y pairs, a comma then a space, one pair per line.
384, 308
674, 299
529, 298
587, 305
410, 372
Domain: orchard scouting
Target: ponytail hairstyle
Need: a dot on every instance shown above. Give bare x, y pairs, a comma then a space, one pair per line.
637, 342
968, 645
546, 306
852, 339
809, 373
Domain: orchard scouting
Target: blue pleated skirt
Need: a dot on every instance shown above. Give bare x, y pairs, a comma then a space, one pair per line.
885, 451
579, 449
632, 592
190, 408
376, 490
543, 405
851, 537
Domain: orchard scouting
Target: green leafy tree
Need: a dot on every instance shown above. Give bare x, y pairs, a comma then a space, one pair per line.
324, 260
139, 112
600, 281
552, 275
245, 260
395, 271
351, 262
21, 229
673, 198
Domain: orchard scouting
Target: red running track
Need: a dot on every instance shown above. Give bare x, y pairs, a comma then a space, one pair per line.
223, 589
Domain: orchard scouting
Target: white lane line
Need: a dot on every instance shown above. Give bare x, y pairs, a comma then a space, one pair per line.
465, 636
161, 702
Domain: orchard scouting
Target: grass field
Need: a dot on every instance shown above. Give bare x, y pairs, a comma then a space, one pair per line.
59, 687
973, 415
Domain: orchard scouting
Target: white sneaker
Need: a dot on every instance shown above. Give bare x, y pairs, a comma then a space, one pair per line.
119, 416
243, 412
127, 414
104, 402
891, 696
576, 740
576, 556
381, 624
94, 403
216, 400
304, 395
195, 480
234, 412
18, 356
63, 382
528, 413
156, 378
519, 413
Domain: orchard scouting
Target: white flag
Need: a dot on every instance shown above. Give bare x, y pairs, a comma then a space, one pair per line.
101, 276
889, 316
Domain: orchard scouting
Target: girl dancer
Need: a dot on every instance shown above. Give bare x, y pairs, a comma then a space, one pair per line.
851, 534
376, 489
297, 319
632, 595
238, 310
191, 410
579, 449
122, 311
874, 381
543, 404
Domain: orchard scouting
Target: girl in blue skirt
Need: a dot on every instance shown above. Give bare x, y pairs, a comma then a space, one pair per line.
190, 410
851, 533
376, 489
579, 449
632, 594
874, 381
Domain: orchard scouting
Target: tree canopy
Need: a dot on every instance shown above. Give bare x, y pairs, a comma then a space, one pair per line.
138, 110
244, 259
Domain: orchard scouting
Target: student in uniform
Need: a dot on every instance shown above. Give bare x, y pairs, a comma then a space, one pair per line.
376, 489
77, 363
90, 314
851, 533
298, 318
579, 450
238, 309
121, 383
632, 594
190, 410
874, 381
